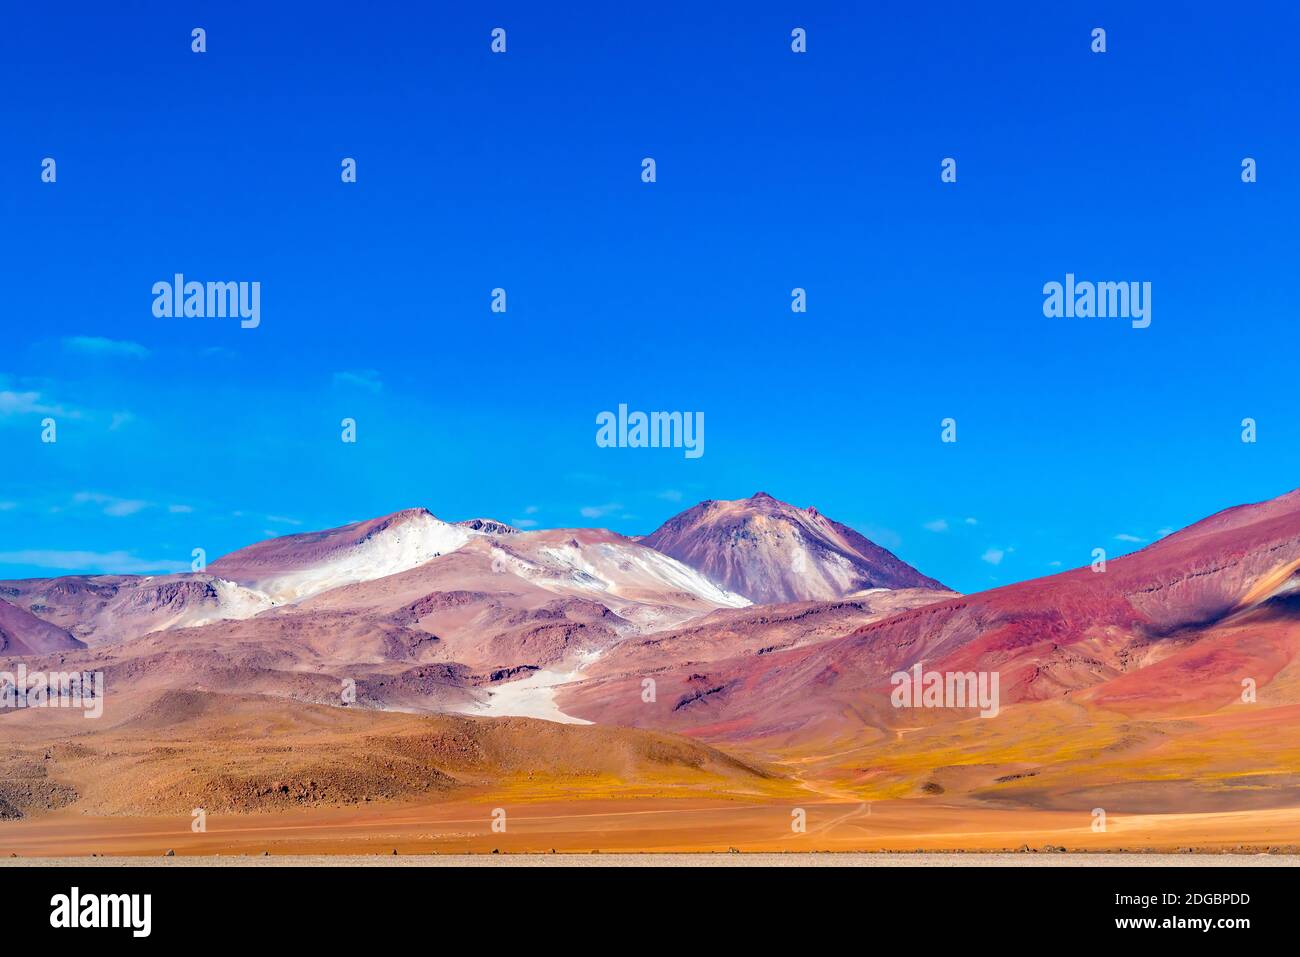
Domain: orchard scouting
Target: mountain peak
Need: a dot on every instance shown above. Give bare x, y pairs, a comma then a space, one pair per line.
294, 566
406, 515
770, 551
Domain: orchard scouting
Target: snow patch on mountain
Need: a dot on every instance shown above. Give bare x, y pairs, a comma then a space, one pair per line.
394, 549
624, 570
233, 602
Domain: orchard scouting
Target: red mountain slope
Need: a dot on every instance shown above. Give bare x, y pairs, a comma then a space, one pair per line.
1173, 627
22, 633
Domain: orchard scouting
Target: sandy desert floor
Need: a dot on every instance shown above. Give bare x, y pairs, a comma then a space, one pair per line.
647, 825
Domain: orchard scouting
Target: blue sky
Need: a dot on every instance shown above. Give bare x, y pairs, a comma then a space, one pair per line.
522, 171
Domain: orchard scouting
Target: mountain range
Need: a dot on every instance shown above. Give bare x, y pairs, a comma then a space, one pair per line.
767, 633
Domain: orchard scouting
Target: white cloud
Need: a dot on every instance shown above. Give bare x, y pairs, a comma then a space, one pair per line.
180, 509
28, 403
1123, 537
1162, 532
531, 510
32, 402
523, 522
359, 378
597, 511
1053, 564
971, 521
99, 346
113, 506
938, 525
670, 495
993, 556
108, 563
283, 520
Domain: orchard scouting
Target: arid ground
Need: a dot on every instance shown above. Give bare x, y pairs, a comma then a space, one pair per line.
284, 778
